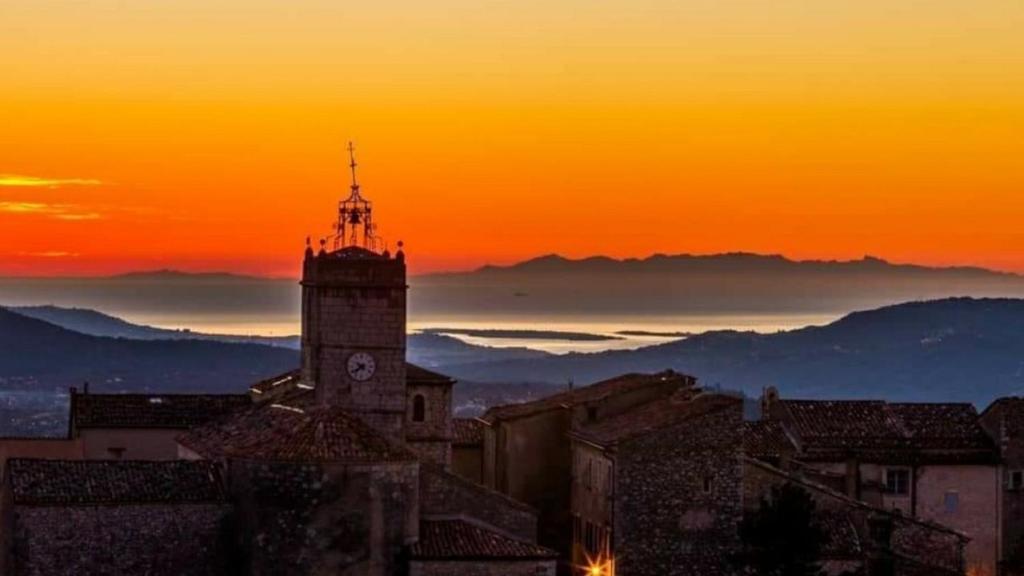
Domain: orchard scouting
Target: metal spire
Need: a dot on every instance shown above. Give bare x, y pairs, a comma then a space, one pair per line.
352, 164
355, 215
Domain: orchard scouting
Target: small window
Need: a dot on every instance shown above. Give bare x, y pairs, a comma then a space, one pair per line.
951, 502
419, 408
1016, 479
708, 485
115, 453
591, 413
588, 479
897, 481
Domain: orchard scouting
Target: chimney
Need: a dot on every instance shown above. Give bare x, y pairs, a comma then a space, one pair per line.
769, 397
85, 387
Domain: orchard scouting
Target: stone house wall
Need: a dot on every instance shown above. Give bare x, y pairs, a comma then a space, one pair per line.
130, 443
912, 538
965, 498
678, 497
152, 539
488, 568
972, 490
430, 438
532, 459
318, 519
1002, 422
592, 492
45, 448
468, 462
446, 494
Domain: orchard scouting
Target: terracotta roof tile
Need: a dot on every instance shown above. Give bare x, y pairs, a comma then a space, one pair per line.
459, 539
829, 428
766, 439
280, 432
70, 482
685, 404
152, 410
596, 391
467, 431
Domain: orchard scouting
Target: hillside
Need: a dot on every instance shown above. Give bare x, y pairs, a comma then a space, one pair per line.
96, 323
38, 355
946, 350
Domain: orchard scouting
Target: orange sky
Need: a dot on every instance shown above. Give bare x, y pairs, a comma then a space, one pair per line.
209, 135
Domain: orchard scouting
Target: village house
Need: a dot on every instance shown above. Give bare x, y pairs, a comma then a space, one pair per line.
862, 539
933, 462
141, 426
527, 455
1004, 421
468, 448
657, 487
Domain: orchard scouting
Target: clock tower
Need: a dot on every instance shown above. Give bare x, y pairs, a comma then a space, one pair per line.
354, 319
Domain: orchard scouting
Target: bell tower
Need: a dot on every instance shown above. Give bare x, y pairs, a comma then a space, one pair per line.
354, 318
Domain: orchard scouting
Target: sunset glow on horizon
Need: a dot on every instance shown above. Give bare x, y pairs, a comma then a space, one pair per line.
210, 136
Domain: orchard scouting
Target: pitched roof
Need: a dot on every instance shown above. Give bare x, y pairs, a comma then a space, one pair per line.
766, 439
290, 380
70, 482
174, 411
584, 394
828, 428
685, 404
280, 382
467, 431
279, 432
950, 426
417, 375
1009, 411
459, 539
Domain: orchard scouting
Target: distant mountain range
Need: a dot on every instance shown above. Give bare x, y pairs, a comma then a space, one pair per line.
685, 284
957, 349
549, 287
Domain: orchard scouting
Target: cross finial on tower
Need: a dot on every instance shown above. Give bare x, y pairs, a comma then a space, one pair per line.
352, 164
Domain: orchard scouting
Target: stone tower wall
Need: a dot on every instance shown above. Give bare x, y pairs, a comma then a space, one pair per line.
355, 301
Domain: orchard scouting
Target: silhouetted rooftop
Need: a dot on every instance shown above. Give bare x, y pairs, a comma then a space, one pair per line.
467, 431
68, 482
279, 432
174, 411
583, 394
684, 405
459, 539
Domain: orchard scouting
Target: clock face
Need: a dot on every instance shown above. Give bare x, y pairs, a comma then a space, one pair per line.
361, 366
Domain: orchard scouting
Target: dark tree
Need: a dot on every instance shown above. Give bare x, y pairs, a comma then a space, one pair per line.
782, 538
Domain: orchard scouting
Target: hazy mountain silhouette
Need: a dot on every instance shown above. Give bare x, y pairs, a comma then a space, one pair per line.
686, 284
947, 350
96, 323
953, 349
551, 286
428, 350
37, 355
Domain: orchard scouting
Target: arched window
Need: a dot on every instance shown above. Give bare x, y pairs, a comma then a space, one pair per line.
419, 408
